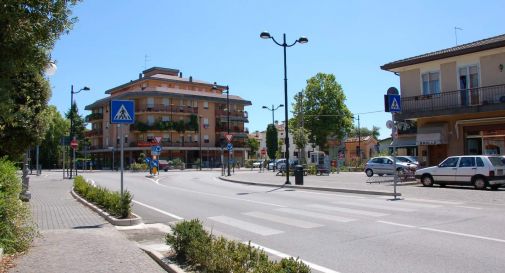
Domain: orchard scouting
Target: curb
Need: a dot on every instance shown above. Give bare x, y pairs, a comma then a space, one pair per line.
312, 188
158, 258
114, 221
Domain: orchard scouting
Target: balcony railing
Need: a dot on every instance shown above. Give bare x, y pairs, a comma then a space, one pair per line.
459, 99
165, 108
223, 113
94, 116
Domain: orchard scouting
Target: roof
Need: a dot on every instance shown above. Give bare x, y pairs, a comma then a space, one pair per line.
172, 93
480, 45
355, 139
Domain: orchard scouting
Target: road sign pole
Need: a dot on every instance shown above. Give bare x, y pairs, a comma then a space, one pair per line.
122, 157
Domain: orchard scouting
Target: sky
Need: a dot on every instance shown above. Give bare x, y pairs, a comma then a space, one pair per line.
218, 41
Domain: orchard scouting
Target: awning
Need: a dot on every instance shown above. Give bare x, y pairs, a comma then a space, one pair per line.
404, 142
432, 134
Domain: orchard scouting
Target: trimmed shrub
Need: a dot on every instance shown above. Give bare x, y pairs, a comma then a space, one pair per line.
17, 228
312, 169
112, 202
249, 163
194, 246
138, 167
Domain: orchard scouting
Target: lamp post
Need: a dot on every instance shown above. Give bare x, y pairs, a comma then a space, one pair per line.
228, 122
72, 92
273, 110
301, 40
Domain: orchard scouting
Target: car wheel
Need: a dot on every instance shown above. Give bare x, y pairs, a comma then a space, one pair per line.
495, 187
480, 183
369, 172
380, 174
442, 185
427, 181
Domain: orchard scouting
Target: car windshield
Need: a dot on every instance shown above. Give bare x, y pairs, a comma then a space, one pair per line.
496, 161
402, 159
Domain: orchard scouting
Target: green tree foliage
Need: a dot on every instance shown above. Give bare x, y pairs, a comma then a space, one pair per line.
272, 141
254, 145
16, 227
28, 31
300, 139
50, 148
363, 131
324, 110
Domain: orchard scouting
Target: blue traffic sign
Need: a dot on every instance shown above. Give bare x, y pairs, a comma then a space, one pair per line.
148, 160
154, 163
122, 111
229, 147
395, 103
155, 150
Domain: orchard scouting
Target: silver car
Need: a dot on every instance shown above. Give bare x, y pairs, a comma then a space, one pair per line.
384, 165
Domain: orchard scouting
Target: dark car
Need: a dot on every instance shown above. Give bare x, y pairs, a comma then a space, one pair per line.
164, 165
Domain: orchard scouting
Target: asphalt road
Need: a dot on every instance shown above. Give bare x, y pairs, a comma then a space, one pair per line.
332, 232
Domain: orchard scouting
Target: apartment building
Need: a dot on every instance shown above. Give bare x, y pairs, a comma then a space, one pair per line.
453, 101
189, 116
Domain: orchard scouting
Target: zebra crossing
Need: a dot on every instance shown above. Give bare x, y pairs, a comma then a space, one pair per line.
315, 215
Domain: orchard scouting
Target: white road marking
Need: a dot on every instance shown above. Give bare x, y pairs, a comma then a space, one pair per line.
158, 210
247, 226
375, 206
283, 255
350, 211
468, 207
395, 224
153, 180
446, 232
464, 235
444, 202
311, 214
400, 203
331, 194
282, 220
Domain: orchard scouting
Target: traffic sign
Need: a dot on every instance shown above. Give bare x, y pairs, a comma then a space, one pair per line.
155, 150
229, 147
122, 111
229, 137
158, 139
74, 144
263, 151
394, 102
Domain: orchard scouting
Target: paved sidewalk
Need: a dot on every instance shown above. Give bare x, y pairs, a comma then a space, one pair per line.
74, 238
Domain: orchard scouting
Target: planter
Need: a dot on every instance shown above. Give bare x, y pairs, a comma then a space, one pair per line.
111, 219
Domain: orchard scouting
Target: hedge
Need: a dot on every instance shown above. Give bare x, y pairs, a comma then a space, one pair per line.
112, 202
203, 252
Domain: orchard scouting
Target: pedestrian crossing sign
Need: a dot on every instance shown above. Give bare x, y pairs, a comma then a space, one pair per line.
122, 112
395, 103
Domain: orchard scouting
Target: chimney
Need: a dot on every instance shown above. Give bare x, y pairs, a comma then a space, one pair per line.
190, 78
140, 76
180, 74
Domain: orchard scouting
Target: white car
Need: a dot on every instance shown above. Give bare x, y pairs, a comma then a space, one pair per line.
257, 164
481, 171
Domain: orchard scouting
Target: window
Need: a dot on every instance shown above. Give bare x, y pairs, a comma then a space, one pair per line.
165, 118
205, 123
468, 84
206, 138
467, 162
450, 162
150, 102
150, 119
431, 83
205, 105
166, 101
480, 163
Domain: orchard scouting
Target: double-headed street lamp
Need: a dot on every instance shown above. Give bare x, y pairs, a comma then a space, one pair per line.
214, 87
273, 110
72, 92
301, 40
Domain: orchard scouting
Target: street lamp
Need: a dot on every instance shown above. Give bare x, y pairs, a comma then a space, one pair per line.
273, 110
214, 87
301, 40
72, 92
200, 140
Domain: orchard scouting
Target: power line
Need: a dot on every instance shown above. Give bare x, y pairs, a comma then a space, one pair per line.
378, 111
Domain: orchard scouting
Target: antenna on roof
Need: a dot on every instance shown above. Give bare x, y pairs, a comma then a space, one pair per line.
456, 33
146, 59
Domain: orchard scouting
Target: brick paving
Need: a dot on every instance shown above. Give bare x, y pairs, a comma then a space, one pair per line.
74, 238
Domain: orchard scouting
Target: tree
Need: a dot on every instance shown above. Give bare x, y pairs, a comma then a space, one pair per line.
271, 141
50, 148
254, 145
363, 131
28, 31
322, 106
300, 139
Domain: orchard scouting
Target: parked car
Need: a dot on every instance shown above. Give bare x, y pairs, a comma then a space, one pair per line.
480, 171
384, 165
163, 165
271, 164
281, 164
258, 163
408, 159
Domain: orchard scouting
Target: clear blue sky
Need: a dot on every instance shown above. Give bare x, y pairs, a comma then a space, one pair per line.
219, 41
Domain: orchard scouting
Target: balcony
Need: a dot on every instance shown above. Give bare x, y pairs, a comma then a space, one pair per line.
94, 117
162, 108
482, 99
222, 116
